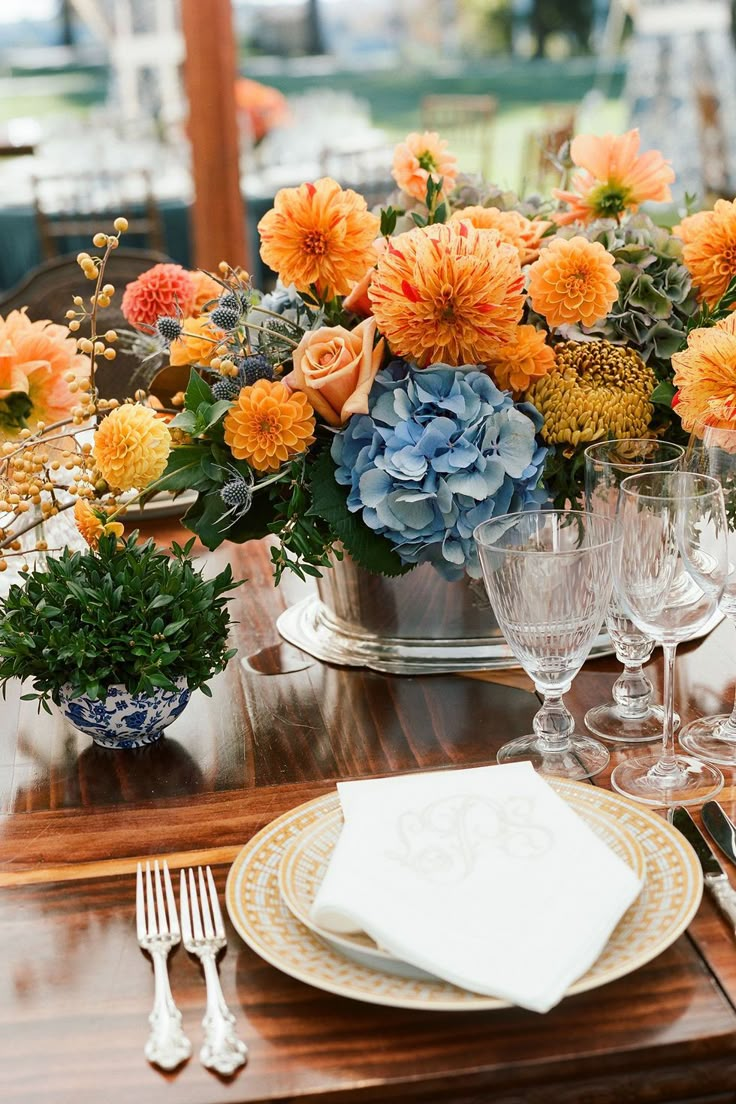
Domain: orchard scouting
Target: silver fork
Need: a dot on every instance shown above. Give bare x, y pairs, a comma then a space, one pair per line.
204, 936
167, 1044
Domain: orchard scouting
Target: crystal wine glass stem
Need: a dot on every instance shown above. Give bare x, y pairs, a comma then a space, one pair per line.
668, 761
632, 691
554, 723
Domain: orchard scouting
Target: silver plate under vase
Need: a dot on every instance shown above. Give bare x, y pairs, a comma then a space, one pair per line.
417, 624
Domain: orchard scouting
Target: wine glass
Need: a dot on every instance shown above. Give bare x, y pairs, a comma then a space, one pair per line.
630, 718
712, 451
670, 569
548, 577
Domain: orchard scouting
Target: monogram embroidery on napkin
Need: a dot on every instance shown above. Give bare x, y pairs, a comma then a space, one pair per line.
443, 841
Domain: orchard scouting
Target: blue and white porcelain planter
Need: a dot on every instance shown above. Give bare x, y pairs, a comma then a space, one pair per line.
125, 720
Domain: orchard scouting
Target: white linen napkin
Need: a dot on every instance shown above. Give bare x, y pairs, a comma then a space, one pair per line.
484, 877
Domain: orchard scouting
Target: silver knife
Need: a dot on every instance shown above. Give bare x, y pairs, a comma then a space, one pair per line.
721, 828
715, 877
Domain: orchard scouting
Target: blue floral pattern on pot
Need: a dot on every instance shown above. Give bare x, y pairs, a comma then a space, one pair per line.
125, 720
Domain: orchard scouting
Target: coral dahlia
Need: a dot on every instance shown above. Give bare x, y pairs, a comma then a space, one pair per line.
164, 289
268, 425
419, 157
34, 359
447, 294
319, 235
573, 281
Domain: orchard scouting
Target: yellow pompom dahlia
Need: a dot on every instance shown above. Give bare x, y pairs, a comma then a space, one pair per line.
596, 390
92, 523
268, 425
131, 447
447, 294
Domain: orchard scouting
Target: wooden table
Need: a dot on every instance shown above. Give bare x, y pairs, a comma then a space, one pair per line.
75, 991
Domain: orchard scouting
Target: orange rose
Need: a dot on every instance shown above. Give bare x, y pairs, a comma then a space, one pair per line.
335, 368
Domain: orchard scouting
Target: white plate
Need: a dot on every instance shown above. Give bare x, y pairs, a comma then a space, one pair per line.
664, 908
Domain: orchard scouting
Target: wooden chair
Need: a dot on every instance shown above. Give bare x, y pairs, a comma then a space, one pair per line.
367, 171
71, 208
542, 146
466, 122
47, 292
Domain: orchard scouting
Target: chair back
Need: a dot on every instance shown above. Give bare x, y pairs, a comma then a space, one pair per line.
540, 155
467, 123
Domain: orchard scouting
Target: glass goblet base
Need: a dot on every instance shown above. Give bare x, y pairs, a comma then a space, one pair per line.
577, 758
711, 739
689, 782
608, 723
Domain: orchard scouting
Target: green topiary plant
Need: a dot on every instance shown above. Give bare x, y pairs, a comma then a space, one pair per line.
127, 614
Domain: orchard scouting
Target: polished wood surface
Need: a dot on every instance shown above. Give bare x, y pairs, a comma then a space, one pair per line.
75, 990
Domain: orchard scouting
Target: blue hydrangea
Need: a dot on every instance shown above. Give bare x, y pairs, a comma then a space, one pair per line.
440, 451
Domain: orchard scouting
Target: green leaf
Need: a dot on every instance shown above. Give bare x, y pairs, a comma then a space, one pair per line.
389, 215
184, 470
329, 502
419, 220
663, 393
216, 412
197, 392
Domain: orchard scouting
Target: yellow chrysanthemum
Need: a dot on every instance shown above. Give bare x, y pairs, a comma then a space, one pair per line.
524, 358
596, 390
131, 447
447, 294
710, 249
197, 345
524, 234
319, 235
705, 374
92, 523
268, 425
573, 281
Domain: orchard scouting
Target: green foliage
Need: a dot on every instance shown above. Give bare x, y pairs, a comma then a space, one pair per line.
389, 217
329, 502
129, 614
708, 316
565, 477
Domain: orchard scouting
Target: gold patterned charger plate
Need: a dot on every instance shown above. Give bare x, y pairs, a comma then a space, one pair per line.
306, 858
666, 905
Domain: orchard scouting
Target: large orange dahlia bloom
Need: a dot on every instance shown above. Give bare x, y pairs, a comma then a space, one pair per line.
524, 234
710, 249
705, 374
268, 425
131, 447
573, 281
34, 358
319, 235
419, 157
614, 177
526, 357
447, 294
164, 289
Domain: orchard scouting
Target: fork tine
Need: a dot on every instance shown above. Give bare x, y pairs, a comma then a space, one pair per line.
196, 921
163, 924
140, 905
186, 922
219, 926
170, 902
209, 931
152, 926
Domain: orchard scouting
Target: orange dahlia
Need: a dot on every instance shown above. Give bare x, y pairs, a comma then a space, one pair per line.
615, 177
34, 358
92, 523
710, 249
573, 281
319, 235
198, 343
163, 289
131, 447
419, 157
206, 289
526, 357
524, 234
447, 294
705, 374
268, 425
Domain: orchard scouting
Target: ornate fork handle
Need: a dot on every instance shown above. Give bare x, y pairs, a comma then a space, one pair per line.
222, 1050
167, 1044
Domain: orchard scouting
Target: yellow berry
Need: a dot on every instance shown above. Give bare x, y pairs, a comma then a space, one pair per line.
3, 565
74, 326
82, 258
99, 240
113, 243
85, 345
121, 224
110, 354
108, 289
78, 300
70, 314
111, 336
99, 347
103, 300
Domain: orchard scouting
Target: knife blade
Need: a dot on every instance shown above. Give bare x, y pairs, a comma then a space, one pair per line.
721, 828
716, 881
